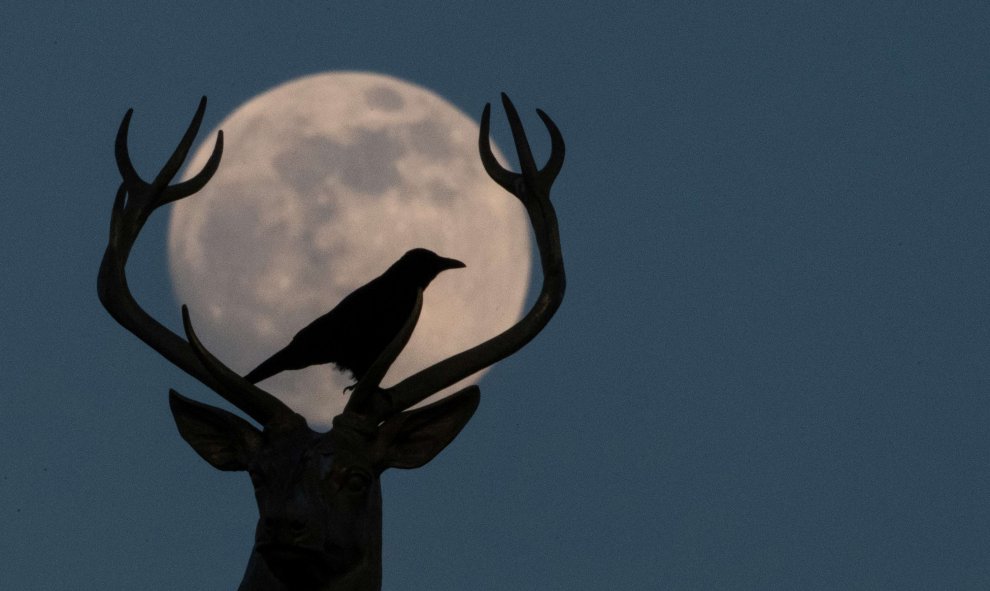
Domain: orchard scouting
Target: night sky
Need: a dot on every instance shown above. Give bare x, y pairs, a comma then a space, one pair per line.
771, 369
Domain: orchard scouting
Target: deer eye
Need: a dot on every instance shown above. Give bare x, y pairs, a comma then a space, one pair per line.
356, 481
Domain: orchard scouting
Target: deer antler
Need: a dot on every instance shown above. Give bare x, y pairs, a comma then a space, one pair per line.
532, 188
136, 200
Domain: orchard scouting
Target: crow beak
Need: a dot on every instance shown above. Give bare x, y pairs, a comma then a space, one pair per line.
444, 263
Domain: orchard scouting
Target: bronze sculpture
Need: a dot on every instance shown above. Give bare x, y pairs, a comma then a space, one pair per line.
319, 494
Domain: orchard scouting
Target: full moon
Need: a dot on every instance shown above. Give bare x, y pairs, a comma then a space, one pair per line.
325, 181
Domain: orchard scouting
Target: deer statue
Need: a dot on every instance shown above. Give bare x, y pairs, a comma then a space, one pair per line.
319, 494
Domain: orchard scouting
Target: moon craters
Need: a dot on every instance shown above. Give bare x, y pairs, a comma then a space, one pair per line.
325, 181
384, 98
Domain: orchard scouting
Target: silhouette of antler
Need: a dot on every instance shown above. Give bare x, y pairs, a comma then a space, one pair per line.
137, 199
532, 187
135, 202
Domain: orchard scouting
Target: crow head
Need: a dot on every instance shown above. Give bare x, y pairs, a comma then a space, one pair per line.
421, 266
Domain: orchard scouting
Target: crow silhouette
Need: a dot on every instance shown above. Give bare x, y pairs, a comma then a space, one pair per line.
357, 330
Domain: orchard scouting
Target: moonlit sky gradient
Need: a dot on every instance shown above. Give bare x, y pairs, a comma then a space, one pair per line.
771, 369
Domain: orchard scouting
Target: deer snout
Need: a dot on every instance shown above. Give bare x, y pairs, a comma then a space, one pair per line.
286, 527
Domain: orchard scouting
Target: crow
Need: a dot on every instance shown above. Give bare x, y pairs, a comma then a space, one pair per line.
357, 330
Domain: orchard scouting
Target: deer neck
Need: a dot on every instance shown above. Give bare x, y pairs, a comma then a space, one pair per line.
366, 576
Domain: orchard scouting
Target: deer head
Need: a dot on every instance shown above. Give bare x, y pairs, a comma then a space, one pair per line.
319, 494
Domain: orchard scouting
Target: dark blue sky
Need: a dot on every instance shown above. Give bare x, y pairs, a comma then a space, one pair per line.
771, 369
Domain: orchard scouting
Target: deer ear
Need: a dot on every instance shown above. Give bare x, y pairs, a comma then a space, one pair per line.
223, 439
413, 438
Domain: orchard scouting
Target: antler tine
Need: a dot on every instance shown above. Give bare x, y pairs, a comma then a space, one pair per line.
526, 163
367, 393
132, 180
495, 170
186, 188
174, 163
142, 198
193, 185
532, 187
257, 403
550, 170
535, 179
